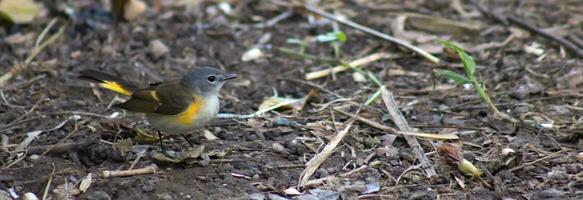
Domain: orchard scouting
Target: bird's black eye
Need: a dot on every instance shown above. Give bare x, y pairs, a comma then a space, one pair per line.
212, 79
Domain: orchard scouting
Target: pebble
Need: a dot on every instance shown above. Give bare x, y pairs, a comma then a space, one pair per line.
158, 48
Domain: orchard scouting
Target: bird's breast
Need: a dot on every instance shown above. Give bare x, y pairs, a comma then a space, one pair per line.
199, 113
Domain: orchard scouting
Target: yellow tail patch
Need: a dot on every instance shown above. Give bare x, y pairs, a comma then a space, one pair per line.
116, 87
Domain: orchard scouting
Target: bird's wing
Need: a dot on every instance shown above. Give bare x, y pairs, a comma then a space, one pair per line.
168, 98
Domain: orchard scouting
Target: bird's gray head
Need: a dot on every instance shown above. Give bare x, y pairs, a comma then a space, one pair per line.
206, 80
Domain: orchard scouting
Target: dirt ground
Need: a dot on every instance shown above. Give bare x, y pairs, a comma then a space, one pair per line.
529, 77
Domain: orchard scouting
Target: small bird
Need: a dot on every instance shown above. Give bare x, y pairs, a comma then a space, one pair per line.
174, 107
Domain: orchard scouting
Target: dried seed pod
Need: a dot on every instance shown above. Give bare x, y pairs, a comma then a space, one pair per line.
453, 156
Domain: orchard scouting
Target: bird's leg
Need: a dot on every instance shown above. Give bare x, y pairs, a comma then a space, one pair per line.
186, 138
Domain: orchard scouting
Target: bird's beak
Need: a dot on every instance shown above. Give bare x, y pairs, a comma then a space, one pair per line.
230, 76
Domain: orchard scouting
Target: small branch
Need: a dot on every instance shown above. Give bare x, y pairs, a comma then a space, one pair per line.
376, 33
146, 170
319, 158
395, 131
561, 41
552, 155
398, 118
354, 63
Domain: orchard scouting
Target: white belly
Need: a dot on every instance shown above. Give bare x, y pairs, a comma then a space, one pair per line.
170, 125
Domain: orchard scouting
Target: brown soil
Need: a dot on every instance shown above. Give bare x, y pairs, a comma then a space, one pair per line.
247, 160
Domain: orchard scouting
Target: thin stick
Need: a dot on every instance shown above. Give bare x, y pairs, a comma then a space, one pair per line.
538, 160
563, 42
354, 63
398, 118
395, 131
319, 158
347, 174
19, 67
44, 33
46, 192
146, 170
140, 155
376, 33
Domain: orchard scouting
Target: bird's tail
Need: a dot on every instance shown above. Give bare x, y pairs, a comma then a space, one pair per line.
109, 81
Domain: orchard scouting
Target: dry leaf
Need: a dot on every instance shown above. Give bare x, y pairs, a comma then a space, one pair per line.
86, 183
179, 157
209, 135
62, 190
276, 102
123, 146
18, 11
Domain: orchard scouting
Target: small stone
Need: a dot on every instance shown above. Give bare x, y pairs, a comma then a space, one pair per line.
97, 195
507, 151
276, 197
29, 196
164, 196
133, 9
158, 48
358, 77
252, 54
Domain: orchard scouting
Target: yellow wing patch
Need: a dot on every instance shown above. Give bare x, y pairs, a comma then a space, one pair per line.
154, 95
187, 116
116, 87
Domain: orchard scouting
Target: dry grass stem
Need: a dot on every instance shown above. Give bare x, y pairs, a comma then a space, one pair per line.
398, 118
354, 63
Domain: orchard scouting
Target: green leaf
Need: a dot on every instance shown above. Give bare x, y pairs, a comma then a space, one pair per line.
341, 36
469, 63
467, 60
457, 78
331, 37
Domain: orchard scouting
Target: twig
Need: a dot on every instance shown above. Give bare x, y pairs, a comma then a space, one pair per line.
537, 160
140, 155
395, 131
347, 174
484, 10
60, 142
561, 41
576, 40
354, 63
153, 168
19, 67
376, 33
319, 158
314, 86
46, 192
400, 121
44, 32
